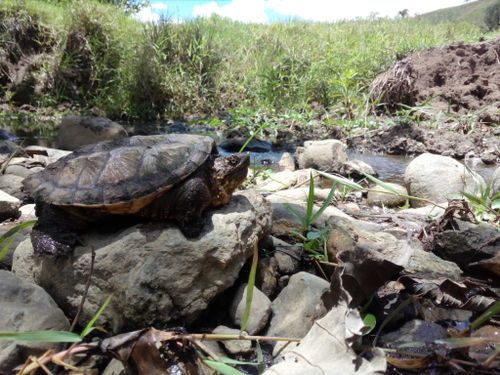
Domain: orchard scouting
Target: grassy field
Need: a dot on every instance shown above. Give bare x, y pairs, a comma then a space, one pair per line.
101, 58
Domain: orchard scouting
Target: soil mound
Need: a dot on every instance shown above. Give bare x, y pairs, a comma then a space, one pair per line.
458, 78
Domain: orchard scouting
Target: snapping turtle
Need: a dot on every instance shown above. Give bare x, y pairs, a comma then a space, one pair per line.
175, 176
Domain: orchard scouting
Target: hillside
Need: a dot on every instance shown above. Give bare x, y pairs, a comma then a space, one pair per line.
472, 12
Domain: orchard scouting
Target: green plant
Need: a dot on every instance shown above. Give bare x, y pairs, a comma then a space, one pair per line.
486, 203
492, 16
8, 237
314, 239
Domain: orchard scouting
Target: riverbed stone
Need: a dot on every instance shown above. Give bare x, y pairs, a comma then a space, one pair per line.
260, 310
380, 196
286, 162
298, 306
9, 206
77, 131
495, 181
326, 155
357, 169
233, 346
154, 273
12, 184
439, 178
25, 307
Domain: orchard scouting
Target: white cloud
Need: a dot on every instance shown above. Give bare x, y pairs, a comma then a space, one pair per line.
159, 6
146, 14
238, 10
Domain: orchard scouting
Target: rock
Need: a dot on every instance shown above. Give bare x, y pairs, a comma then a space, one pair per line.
350, 208
12, 184
379, 196
287, 256
284, 180
468, 243
414, 331
439, 178
327, 155
284, 221
154, 273
45, 155
429, 211
233, 346
77, 131
303, 292
259, 312
9, 206
115, 367
25, 307
356, 168
28, 212
267, 276
286, 162
495, 181
20, 170
369, 240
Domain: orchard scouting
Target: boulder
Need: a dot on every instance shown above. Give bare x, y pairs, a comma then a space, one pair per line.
77, 131
298, 306
25, 307
153, 272
439, 178
357, 169
12, 184
259, 311
9, 206
328, 155
379, 196
286, 162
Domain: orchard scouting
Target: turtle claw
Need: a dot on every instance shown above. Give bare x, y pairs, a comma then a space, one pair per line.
45, 244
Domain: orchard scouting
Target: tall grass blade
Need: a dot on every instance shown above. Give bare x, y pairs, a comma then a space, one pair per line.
222, 367
310, 202
382, 184
342, 181
8, 237
296, 214
90, 325
250, 287
324, 206
41, 336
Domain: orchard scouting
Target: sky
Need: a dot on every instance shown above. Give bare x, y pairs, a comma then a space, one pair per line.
265, 11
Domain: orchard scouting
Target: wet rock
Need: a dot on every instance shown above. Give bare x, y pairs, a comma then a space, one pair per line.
12, 184
155, 274
468, 243
303, 292
25, 307
439, 178
9, 206
327, 156
286, 162
77, 131
259, 312
379, 196
415, 331
233, 346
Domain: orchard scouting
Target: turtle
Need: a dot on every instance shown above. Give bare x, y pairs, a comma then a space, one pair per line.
153, 177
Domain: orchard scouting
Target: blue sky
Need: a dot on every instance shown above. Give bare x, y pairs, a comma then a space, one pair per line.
263, 11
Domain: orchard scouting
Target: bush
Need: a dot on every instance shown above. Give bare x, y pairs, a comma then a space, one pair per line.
492, 17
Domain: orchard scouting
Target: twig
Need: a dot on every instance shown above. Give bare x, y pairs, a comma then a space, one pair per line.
85, 293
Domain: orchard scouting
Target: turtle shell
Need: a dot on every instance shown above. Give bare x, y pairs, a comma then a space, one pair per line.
120, 176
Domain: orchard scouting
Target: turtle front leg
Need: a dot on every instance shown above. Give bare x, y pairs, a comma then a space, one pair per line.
52, 235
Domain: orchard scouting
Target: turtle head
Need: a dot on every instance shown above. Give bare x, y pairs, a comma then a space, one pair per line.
229, 172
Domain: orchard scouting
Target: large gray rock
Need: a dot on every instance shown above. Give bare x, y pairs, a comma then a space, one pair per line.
12, 184
259, 312
328, 155
379, 196
298, 306
495, 181
25, 307
77, 131
153, 272
439, 178
9, 206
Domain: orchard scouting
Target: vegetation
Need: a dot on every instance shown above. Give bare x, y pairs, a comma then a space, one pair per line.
492, 17
101, 58
473, 12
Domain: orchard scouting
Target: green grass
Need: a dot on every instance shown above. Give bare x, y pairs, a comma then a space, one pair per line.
205, 66
473, 12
